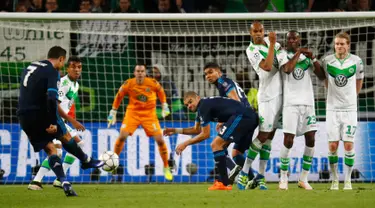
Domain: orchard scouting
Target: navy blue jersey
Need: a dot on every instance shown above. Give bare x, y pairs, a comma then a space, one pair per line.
220, 109
226, 85
38, 91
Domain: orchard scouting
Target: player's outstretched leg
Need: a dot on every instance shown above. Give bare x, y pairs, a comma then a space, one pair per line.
86, 162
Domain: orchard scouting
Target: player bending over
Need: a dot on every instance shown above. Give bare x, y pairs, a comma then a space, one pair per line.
37, 109
231, 89
141, 110
238, 121
298, 105
68, 91
345, 74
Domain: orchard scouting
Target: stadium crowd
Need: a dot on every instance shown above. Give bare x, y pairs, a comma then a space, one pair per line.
184, 6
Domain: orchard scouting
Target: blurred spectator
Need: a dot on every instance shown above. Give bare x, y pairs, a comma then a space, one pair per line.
6, 6
36, 6
167, 6
256, 5
98, 6
21, 7
85, 6
174, 101
358, 5
210, 6
124, 6
329, 5
179, 6
298, 5
51, 6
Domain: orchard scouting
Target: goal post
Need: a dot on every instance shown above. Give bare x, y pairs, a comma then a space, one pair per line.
178, 45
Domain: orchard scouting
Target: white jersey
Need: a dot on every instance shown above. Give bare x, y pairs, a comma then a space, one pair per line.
298, 88
342, 76
68, 91
269, 82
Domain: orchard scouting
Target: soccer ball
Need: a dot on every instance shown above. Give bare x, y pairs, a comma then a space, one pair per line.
111, 161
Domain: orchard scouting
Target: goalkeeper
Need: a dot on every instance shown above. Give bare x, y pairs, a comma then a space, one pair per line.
141, 110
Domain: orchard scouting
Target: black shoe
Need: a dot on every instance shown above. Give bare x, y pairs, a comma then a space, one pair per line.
92, 164
68, 189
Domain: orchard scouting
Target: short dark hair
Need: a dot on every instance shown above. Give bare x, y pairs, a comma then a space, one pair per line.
293, 31
140, 64
190, 94
74, 59
56, 52
211, 65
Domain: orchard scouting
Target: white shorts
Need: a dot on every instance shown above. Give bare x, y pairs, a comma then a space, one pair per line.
72, 132
341, 125
269, 114
299, 119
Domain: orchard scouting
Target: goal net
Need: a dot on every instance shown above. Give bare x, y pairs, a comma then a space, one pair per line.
178, 45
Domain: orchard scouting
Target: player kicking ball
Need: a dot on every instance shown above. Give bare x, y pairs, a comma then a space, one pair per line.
238, 123
37, 109
298, 105
345, 74
68, 91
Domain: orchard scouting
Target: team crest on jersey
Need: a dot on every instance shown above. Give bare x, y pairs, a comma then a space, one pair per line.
298, 73
351, 70
341, 80
142, 98
65, 82
148, 89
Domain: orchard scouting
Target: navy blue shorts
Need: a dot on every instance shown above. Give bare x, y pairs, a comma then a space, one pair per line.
35, 123
239, 130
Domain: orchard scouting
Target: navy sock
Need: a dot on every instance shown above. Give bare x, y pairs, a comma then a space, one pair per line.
75, 150
56, 165
220, 159
239, 159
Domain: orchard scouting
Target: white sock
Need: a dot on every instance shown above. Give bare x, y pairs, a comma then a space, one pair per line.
284, 165
251, 154
43, 170
308, 154
349, 159
263, 163
333, 167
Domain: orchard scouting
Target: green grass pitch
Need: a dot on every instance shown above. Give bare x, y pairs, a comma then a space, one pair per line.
186, 195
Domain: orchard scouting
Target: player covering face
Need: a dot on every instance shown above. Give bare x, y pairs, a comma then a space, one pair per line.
262, 54
298, 105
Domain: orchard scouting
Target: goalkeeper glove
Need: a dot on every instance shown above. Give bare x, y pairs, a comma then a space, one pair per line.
165, 110
112, 117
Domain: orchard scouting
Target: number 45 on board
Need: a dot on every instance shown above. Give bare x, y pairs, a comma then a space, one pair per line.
13, 53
